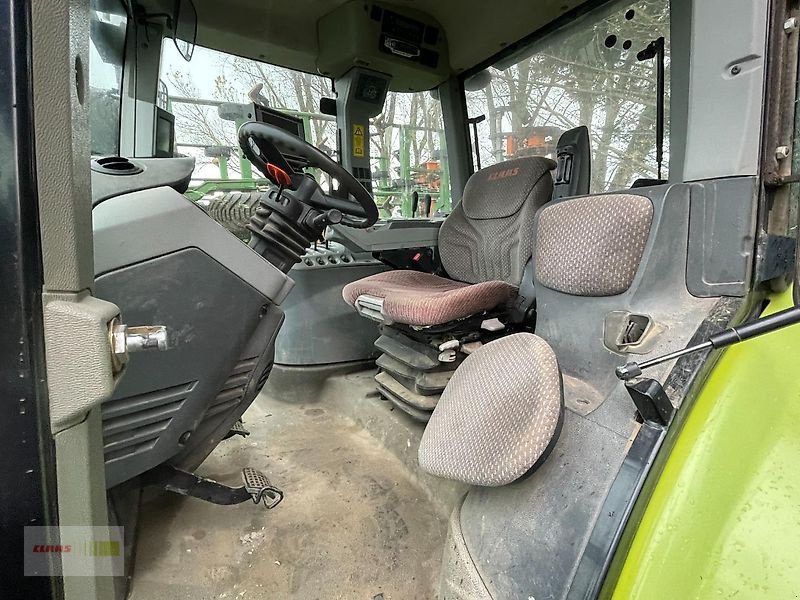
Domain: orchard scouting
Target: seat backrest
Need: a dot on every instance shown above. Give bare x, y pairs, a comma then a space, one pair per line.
489, 234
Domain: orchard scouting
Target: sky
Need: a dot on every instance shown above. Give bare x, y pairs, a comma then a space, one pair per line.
203, 68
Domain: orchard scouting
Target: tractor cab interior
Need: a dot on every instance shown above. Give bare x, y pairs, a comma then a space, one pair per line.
383, 259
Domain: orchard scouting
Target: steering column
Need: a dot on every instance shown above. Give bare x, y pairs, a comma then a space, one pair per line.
291, 216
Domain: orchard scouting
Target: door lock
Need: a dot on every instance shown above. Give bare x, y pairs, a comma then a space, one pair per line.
125, 339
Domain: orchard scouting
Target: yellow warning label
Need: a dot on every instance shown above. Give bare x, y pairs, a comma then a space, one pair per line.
358, 140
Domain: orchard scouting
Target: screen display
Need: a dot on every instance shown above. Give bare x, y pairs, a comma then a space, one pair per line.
165, 134
289, 123
292, 124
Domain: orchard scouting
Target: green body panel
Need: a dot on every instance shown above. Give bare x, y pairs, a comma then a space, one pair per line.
723, 520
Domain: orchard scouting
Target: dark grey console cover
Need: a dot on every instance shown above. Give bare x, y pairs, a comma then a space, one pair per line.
155, 172
164, 397
390, 235
164, 261
140, 225
320, 327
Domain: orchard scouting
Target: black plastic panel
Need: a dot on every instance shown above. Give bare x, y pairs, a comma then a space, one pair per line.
321, 328
27, 456
211, 315
574, 157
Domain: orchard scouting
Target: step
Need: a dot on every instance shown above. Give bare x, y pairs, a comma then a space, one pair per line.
411, 356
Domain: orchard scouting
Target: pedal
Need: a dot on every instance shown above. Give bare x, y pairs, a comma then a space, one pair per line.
237, 429
256, 486
260, 489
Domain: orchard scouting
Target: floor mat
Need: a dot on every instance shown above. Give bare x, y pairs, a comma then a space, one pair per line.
353, 524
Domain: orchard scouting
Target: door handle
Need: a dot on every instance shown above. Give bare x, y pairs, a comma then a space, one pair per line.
126, 339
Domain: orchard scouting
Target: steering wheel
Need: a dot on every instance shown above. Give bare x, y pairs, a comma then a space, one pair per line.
266, 147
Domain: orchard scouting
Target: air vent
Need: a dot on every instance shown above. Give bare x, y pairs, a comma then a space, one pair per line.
134, 424
263, 379
116, 165
233, 389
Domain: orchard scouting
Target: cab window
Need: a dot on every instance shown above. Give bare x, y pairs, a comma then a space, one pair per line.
408, 157
194, 91
406, 139
585, 74
109, 22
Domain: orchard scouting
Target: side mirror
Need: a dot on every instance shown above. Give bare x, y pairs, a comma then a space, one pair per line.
184, 32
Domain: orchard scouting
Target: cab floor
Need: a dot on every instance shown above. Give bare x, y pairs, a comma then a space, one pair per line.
353, 524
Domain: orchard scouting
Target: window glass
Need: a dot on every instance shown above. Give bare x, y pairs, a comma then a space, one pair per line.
408, 157
585, 74
194, 90
406, 138
106, 59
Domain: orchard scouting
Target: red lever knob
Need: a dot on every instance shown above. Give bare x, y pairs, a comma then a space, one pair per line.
278, 175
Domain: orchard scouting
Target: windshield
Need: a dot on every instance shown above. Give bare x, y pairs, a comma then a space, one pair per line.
406, 141
585, 74
408, 157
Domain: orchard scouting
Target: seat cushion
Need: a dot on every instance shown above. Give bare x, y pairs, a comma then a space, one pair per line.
499, 415
423, 299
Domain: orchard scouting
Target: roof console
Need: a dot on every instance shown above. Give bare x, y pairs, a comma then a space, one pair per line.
406, 44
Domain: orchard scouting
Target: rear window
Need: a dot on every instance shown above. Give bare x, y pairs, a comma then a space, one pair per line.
584, 74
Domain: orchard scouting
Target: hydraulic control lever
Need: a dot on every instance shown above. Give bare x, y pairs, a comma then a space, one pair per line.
727, 337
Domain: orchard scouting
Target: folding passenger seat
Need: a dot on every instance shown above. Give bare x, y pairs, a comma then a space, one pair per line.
502, 411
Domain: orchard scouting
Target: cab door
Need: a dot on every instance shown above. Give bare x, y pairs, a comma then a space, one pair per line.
57, 364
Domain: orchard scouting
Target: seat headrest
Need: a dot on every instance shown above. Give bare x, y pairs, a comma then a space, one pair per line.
500, 191
499, 416
591, 245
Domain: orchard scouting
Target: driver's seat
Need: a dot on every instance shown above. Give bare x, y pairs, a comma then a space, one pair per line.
485, 245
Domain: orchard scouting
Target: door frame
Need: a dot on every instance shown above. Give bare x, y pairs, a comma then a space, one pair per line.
28, 495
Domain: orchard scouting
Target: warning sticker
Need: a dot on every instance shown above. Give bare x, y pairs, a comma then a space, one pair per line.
358, 140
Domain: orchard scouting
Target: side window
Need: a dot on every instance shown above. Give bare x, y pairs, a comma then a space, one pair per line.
106, 59
408, 157
585, 74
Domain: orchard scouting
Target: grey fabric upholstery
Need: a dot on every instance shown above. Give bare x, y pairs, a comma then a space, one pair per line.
423, 299
592, 246
486, 241
489, 234
498, 414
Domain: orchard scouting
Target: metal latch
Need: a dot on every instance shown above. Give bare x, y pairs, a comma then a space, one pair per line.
125, 339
